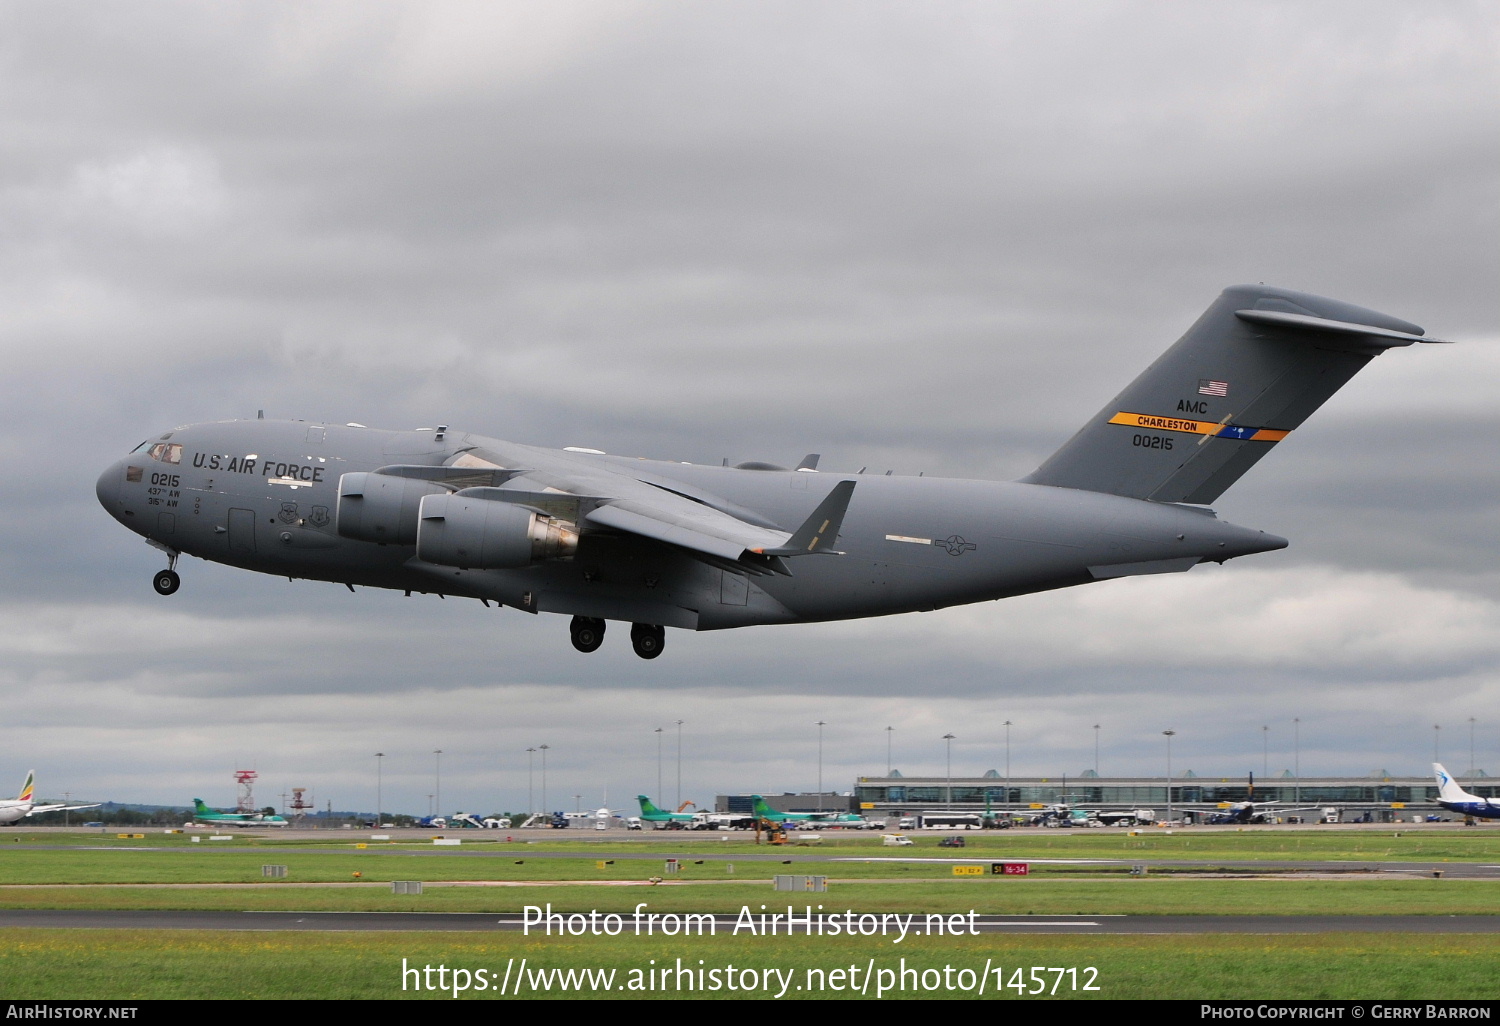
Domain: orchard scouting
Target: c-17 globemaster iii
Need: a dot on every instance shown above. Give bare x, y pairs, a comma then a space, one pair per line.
661, 544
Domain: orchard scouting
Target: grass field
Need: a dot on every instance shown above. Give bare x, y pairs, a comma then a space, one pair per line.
122, 965
988, 896
162, 871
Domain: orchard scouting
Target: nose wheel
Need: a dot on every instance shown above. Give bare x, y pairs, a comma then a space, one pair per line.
166, 581
588, 633
647, 639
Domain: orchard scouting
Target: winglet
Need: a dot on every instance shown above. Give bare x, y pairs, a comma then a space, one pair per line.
820, 531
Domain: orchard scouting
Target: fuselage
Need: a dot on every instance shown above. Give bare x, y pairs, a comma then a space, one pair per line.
264, 495
14, 811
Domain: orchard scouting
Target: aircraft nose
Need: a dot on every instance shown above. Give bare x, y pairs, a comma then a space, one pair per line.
108, 489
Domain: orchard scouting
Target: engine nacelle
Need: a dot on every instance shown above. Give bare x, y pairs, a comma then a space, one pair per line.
485, 534
381, 507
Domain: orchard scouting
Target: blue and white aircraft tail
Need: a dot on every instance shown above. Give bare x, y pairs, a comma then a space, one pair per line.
1456, 799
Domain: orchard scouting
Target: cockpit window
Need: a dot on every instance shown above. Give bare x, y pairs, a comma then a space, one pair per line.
165, 453
142, 447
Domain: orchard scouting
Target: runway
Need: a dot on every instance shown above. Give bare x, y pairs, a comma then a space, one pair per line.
724, 925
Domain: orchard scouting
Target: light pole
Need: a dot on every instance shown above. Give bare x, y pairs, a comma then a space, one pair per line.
679, 764
1007, 762
1436, 733
1471, 750
543, 750
1265, 751
578, 803
948, 738
821, 725
437, 789
530, 781
1169, 735
888, 732
379, 757
1297, 759
1096, 749
659, 795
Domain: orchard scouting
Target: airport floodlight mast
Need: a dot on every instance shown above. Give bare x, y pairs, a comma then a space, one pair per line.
1007, 725
888, 764
659, 795
1297, 759
246, 781
543, 749
530, 780
379, 815
949, 739
679, 763
821, 725
1169, 734
437, 780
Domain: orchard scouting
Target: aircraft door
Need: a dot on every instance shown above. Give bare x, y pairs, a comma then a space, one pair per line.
242, 532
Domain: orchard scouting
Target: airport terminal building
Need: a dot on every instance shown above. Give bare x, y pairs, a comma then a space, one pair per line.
1385, 797
1381, 797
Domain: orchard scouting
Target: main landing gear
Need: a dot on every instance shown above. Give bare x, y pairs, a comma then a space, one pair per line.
647, 639
588, 633
166, 581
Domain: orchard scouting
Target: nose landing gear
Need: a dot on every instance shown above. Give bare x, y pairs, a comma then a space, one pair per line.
587, 632
647, 639
166, 581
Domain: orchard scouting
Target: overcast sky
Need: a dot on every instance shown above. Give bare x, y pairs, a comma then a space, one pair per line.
927, 237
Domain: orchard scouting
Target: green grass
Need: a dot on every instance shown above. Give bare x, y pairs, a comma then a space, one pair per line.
173, 858
1434, 842
105, 873
126, 965
1150, 896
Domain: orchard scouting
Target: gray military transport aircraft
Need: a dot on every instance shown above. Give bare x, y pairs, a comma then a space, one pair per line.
661, 544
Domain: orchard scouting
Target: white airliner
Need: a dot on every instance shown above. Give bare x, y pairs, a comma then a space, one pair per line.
13, 810
1456, 799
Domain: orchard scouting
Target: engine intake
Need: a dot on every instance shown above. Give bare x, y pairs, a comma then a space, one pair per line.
381, 507
484, 534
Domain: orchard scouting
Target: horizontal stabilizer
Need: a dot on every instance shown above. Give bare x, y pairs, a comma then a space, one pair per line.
1380, 338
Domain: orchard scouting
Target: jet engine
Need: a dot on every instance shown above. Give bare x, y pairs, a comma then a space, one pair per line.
381, 507
485, 534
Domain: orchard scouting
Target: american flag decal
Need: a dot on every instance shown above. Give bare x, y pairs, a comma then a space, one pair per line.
1207, 386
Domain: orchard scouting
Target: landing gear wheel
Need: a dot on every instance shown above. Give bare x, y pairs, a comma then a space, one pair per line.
166, 582
588, 633
647, 639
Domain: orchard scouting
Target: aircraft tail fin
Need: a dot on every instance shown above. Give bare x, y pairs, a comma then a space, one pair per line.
199, 808
761, 809
28, 788
1448, 789
647, 807
1256, 364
